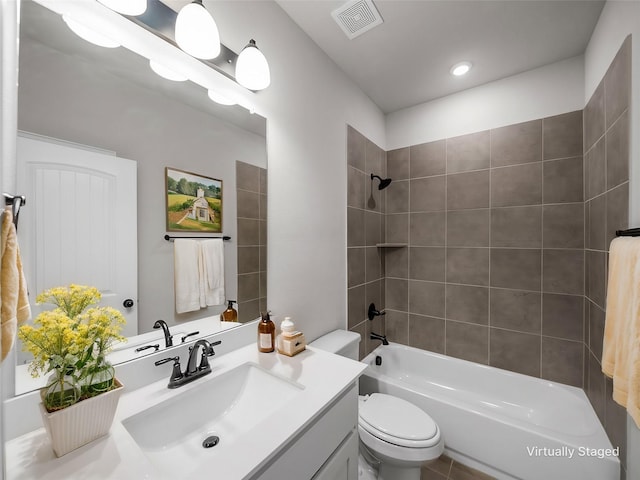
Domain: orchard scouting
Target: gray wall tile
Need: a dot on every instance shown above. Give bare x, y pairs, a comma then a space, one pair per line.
596, 330
516, 144
248, 311
594, 123
516, 227
248, 259
427, 263
563, 271
427, 333
397, 228
562, 361
617, 83
467, 304
373, 257
563, 135
356, 148
467, 341
397, 294
595, 165
248, 287
398, 197
596, 387
397, 327
427, 229
247, 177
356, 300
516, 310
374, 293
617, 140
563, 180
468, 190
468, 228
617, 211
469, 266
563, 226
372, 228
396, 262
264, 181
597, 222
516, 185
468, 152
562, 316
515, 268
355, 227
375, 160
398, 164
615, 422
427, 194
597, 268
518, 352
427, 159
248, 231
426, 298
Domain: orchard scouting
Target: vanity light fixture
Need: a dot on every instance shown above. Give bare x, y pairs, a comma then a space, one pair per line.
90, 34
196, 31
252, 68
220, 98
460, 69
126, 7
166, 72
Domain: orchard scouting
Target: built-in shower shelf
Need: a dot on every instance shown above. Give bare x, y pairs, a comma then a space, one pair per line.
391, 245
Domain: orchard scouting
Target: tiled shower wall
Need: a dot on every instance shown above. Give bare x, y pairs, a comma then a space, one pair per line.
366, 220
251, 191
606, 146
494, 267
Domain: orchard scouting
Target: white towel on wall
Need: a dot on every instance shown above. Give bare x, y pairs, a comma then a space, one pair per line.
186, 275
212, 272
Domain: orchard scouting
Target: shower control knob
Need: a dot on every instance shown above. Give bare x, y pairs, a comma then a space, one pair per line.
128, 303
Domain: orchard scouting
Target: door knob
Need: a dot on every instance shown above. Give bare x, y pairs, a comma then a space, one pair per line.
128, 303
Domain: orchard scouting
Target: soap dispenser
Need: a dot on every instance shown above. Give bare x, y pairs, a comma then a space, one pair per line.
230, 314
266, 334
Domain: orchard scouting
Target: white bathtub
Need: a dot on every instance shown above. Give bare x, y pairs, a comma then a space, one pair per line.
503, 423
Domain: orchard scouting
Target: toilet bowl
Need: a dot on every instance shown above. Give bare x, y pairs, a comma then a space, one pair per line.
396, 437
399, 435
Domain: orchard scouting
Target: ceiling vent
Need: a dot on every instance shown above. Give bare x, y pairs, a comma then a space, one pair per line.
356, 17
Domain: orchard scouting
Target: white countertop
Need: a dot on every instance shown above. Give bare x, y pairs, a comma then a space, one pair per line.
117, 456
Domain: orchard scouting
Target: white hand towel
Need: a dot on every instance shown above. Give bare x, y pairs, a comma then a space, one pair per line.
186, 275
212, 279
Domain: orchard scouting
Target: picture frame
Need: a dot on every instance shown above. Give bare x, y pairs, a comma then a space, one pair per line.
193, 202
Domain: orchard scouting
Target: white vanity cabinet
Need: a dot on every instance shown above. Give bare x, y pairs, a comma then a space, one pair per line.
325, 450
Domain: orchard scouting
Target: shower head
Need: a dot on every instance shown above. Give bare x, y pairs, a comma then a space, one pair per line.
384, 182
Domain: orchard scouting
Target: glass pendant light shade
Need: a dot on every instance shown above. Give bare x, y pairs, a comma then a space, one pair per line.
166, 72
126, 7
89, 34
252, 69
197, 32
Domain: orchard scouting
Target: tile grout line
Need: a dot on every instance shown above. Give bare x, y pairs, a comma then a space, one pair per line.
490, 238
542, 245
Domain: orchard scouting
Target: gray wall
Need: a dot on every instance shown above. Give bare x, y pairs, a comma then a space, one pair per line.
606, 144
62, 97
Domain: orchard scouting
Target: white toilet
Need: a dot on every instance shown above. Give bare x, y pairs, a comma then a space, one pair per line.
396, 437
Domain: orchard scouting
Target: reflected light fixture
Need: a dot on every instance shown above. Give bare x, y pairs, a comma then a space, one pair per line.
166, 72
252, 69
220, 98
89, 34
196, 31
460, 69
126, 7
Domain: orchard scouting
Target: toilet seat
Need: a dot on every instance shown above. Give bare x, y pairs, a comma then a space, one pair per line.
397, 421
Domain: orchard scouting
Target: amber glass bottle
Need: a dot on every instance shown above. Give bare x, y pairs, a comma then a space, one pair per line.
230, 314
266, 334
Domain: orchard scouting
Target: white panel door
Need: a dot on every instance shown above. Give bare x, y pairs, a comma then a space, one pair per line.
79, 224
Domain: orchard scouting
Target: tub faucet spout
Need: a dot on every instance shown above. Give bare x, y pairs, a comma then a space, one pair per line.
383, 338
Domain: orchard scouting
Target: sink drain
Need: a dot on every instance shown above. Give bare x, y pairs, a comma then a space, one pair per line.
211, 441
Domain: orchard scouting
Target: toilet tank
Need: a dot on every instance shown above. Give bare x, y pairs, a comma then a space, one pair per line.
340, 342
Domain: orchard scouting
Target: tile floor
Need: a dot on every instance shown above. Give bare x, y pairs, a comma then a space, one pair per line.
447, 469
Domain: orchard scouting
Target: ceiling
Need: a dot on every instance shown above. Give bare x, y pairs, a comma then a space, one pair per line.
406, 60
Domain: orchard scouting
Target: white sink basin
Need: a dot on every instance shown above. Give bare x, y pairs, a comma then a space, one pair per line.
171, 433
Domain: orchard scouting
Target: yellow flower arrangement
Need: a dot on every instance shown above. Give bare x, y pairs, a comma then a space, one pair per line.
72, 342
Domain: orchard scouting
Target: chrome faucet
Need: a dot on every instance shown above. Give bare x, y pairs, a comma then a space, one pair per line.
375, 336
168, 339
178, 378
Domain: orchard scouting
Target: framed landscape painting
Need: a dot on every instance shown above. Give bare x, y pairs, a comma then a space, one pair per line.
194, 202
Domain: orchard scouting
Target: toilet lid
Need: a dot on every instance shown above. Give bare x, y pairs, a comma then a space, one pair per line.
397, 421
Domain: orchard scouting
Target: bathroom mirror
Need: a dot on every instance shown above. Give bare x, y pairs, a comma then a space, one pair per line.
110, 100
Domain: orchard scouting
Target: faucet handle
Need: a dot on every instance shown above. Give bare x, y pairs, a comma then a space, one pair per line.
176, 374
189, 335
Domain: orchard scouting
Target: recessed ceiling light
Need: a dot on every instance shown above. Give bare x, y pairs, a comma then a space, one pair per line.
460, 69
